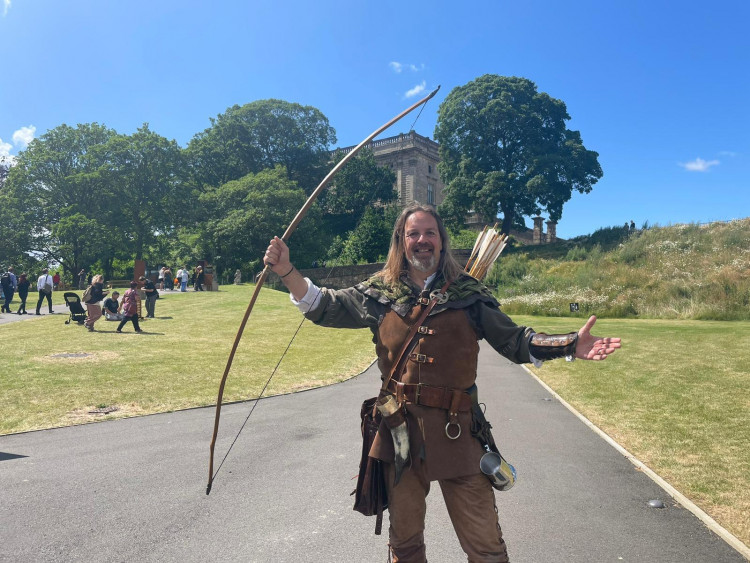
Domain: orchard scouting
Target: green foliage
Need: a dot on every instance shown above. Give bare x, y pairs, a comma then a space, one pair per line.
684, 271
505, 148
259, 135
368, 242
243, 215
463, 238
56, 177
143, 167
357, 186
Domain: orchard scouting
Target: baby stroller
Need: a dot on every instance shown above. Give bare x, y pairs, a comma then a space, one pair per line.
77, 312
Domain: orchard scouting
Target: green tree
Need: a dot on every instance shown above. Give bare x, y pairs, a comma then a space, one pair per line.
56, 177
356, 187
369, 241
14, 233
262, 134
143, 174
505, 149
244, 214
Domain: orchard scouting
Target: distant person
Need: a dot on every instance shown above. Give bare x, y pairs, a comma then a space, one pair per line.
168, 281
183, 276
23, 293
82, 279
111, 307
44, 286
199, 277
56, 281
632, 226
130, 308
93, 304
151, 295
9, 282
237, 277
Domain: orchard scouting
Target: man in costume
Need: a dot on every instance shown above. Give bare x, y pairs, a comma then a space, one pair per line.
429, 384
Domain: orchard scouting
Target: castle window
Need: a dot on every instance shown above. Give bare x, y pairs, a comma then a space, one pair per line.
430, 194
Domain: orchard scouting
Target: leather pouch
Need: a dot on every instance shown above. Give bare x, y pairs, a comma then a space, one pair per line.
370, 496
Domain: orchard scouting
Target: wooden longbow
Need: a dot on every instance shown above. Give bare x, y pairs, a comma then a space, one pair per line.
267, 270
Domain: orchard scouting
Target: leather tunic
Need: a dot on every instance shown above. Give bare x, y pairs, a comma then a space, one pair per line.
471, 314
453, 349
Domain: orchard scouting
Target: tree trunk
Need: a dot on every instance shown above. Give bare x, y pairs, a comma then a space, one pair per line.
508, 218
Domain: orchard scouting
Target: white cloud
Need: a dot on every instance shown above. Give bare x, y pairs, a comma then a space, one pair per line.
6, 6
731, 154
699, 165
419, 88
5, 148
24, 136
398, 68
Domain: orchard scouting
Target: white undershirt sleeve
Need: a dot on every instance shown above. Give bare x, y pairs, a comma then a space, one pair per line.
311, 300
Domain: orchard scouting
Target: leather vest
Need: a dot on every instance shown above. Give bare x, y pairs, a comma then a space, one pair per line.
446, 356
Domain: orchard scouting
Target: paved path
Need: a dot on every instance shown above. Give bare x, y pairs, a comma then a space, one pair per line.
6, 318
134, 490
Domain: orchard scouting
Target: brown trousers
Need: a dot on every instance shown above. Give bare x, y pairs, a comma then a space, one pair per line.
471, 506
94, 314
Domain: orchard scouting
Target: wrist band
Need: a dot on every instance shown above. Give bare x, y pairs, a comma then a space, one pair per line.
289, 272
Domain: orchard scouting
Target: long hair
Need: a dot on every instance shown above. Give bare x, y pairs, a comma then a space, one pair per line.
98, 278
396, 263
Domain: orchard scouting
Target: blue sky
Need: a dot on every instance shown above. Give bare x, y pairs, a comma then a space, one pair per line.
661, 90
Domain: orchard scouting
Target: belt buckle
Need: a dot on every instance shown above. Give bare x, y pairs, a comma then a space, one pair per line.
420, 358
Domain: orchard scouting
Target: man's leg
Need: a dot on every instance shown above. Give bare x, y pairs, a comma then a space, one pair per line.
39, 303
406, 512
471, 506
49, 301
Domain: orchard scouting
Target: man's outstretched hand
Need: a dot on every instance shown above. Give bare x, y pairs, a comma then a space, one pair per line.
590, 347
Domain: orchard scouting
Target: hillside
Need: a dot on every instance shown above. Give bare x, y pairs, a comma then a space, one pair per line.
687, 271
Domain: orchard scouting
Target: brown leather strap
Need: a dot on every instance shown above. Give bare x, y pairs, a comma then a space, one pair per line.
445, 398
414, 329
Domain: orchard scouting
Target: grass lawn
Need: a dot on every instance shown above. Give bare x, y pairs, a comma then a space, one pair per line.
177, 363
677, 396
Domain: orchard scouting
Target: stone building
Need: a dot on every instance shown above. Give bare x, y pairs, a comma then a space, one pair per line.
414, 159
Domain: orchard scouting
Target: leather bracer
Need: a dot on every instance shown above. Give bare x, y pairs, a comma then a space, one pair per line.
550, 346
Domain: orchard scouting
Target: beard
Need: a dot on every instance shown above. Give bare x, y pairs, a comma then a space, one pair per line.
423, 264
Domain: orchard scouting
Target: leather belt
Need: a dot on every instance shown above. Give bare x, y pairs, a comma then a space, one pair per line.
430, 395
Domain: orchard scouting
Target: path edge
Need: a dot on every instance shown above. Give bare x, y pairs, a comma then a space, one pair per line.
709, 522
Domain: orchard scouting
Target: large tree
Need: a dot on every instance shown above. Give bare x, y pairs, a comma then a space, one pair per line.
356, 187
144, 173
259, 135
55, 185
241, 216
505, 149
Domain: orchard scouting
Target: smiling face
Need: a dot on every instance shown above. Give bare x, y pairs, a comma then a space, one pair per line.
422, 242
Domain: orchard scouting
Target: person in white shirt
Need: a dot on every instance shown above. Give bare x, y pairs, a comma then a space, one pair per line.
183, 275
44, 285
